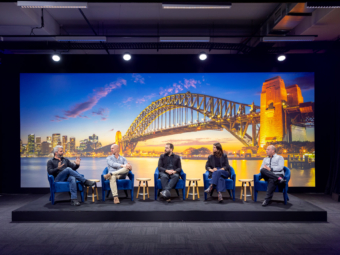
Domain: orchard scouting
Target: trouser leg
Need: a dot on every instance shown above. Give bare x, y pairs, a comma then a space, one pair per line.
269, 174
73, 186
173, 181
270, 189
113, 185
164, 179
63, 175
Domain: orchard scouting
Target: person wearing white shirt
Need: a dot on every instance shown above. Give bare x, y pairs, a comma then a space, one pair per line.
118, 167
272, 172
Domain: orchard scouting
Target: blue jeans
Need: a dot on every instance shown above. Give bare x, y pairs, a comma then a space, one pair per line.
218, 179
69, 175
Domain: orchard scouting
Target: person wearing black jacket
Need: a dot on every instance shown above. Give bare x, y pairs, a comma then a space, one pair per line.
169, 167
219, 170
64, 170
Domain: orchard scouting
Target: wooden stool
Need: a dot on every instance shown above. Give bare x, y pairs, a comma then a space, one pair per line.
193, 180
244, 188
145, 185
93, 188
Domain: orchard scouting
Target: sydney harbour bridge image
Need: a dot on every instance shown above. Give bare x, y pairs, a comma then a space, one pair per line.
281, 109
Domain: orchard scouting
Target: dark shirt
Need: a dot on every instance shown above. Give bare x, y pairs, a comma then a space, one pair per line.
165, 161
217, 162
170, 161
52, 166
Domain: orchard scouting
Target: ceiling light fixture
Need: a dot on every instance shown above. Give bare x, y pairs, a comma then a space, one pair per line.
281, 58
184, 39
288, 38
40, 5
203, 56
126, 56
196, 5
81, 38
56, 57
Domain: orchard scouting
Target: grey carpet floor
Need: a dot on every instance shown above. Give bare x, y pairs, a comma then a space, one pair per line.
169, 238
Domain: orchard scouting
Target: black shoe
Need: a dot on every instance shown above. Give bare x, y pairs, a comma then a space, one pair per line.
75, 202
265, 203
165, 193
89, 183
281, 181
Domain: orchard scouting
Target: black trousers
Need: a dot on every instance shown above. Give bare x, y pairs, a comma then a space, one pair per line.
272, 180
166, 184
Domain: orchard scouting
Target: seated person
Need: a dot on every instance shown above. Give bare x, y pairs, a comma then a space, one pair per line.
118, 169
272, 172
169, 167
218, 166
63, 170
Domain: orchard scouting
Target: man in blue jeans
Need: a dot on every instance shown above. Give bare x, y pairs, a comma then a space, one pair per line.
63, 170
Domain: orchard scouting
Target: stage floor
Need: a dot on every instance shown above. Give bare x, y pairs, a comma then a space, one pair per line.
41, 210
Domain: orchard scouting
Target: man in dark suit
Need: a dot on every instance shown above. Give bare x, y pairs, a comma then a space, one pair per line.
169, 167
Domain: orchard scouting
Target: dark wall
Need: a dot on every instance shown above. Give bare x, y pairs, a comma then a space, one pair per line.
325, 66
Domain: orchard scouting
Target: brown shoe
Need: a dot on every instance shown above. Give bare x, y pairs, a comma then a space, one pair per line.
116, 200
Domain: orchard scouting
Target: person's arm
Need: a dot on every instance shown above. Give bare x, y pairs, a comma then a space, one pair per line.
280, 164
160, 164
50, 168
207, 165
112, 164
71, 165
226, 165
179, 165
263, 164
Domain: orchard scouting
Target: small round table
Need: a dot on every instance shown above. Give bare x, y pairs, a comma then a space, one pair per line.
194, 184
145, 185
244, 188
93, 189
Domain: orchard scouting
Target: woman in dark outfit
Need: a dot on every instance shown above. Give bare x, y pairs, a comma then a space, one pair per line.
219, 169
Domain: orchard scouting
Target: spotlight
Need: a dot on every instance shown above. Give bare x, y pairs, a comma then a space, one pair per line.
126, 56
56, 57
203, 56
281, 57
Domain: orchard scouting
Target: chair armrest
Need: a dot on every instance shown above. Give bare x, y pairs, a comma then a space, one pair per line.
206, 176
183, 175
233, 177
257, 177
131, 176
156, 176
51, 180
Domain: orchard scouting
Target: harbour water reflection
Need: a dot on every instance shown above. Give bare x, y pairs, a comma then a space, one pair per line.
34, 173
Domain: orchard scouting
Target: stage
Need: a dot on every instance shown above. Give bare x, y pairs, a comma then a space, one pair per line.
41, 210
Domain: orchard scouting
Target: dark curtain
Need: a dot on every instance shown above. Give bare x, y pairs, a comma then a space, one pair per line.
333, 183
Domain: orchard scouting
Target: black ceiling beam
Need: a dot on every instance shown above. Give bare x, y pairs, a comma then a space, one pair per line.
172, 1
264, 48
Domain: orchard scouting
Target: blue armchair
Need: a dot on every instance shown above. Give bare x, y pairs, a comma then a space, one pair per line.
230, 183
122, 184
262, 185
180, 184
56, 187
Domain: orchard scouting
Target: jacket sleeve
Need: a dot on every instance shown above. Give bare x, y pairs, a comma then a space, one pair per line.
50, 168
179, 165
226, 165
208, 165
160, 164
72, 165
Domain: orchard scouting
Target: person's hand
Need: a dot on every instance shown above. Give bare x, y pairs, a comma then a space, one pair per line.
214, 169
128, 166
77, 161
60, 165
173, 172
267, 167
222, 169
107, 176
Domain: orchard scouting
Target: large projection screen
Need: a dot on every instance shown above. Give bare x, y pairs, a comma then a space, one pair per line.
88, 112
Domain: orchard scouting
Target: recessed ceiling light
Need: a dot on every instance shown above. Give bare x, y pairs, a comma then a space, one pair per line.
40, 5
